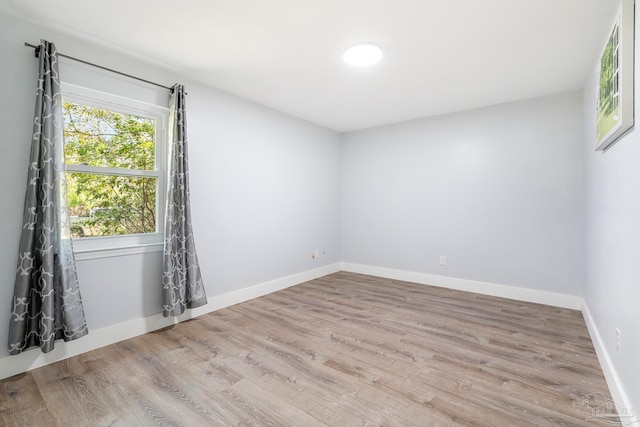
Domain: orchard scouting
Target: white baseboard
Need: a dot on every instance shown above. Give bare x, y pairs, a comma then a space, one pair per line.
13, 365
511, 292
627, 416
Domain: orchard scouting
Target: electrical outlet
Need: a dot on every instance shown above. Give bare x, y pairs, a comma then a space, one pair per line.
314, 255
618, 340
443, 260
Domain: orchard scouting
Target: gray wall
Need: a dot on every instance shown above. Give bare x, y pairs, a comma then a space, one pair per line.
612, 234
497, 190
265, 186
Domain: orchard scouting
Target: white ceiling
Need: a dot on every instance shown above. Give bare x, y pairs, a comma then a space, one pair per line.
440, 55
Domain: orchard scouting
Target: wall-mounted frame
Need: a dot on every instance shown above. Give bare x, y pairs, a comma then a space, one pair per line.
614, 79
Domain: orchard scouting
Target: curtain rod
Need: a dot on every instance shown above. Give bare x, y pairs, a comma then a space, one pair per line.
101, 67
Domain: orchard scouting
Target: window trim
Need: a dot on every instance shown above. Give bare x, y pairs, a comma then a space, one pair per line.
129, 244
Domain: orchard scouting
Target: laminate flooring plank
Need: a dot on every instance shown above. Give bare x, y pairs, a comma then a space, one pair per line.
352, 351
342, 350
504, 380
21, 402
457, 335
288, 374
293, 374
69, 395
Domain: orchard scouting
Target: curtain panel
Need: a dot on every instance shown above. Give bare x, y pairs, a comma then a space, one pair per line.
46, 304
182, 285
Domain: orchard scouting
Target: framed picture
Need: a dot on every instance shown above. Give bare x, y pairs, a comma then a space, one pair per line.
614, 78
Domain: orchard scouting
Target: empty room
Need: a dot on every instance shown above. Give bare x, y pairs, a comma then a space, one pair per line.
319, 213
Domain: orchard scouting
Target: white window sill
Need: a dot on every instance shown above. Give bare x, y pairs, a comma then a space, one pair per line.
96, 253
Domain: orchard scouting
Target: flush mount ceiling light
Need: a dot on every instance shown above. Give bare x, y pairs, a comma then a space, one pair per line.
362, 54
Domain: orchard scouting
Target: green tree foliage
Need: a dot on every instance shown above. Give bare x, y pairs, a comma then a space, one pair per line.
107, 203
608, 67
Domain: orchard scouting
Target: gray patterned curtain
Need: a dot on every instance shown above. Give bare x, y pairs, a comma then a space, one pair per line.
182, 285
46, 303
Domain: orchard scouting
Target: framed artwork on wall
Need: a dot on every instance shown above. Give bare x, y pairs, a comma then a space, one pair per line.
614, 79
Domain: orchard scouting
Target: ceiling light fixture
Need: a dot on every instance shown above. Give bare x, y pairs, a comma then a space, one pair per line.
362, 54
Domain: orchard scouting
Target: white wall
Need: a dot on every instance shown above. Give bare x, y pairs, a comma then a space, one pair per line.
612, 258
265, 186
497, 190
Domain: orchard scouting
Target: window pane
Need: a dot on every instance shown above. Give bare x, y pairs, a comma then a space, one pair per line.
100, 137
107, 205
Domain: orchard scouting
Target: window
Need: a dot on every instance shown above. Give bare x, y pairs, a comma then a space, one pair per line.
114, 151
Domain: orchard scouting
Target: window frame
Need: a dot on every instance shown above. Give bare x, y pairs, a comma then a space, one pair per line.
127, 244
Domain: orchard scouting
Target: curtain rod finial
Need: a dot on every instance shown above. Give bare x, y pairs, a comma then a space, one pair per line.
36, 48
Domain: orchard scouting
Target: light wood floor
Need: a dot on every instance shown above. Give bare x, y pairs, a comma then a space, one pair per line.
343, 350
